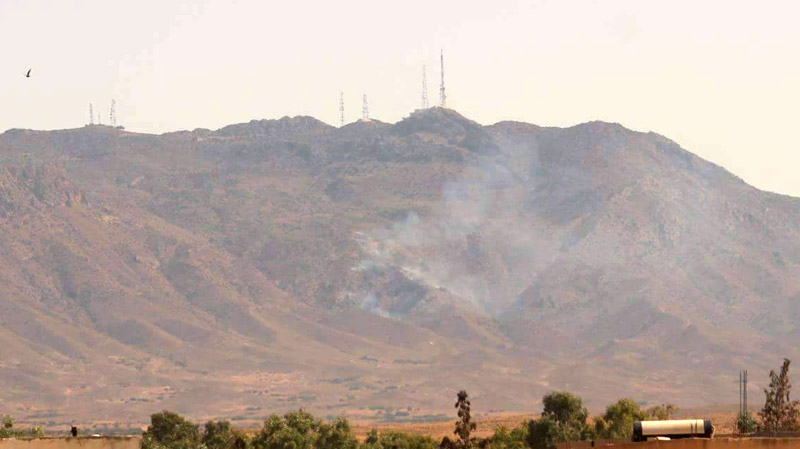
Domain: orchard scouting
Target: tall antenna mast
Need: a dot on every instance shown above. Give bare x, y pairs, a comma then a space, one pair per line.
744, 393
425, 104
112, 117
91, 115
365, 109
744, 413
442, 95
341, 108
740, 418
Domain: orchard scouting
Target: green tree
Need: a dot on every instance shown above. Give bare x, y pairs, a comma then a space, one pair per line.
565, 408
545, 433
301, 430
780, 413
503, 438
564, 418
617, 421
169, 430
295, 430
221, 435
661, 412
464, 425
336, 435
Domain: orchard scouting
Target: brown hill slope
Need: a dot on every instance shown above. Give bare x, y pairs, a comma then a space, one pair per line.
372, 268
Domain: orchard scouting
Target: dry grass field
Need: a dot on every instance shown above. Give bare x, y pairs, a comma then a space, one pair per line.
439, 429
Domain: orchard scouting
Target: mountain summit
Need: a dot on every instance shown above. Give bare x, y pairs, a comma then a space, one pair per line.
286, 263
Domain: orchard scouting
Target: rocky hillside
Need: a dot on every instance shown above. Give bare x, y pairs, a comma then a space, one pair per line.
371, 269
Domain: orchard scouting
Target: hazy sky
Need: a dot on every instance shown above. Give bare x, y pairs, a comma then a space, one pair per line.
722, 78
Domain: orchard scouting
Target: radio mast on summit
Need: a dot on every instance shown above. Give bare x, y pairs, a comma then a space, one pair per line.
425, 104
91, 115
442, 95
365, 109
341, 108
112, 116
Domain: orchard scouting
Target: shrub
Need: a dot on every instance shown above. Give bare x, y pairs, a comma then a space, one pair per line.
617, 421
398, 440
745, 423
7, 429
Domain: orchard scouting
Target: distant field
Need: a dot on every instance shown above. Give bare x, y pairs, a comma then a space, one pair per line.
440, 429
721, 416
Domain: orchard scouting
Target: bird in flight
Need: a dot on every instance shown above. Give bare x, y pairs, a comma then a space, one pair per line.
28, 75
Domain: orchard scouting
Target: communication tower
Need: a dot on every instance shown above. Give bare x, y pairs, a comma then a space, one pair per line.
442, 95
341, 108
365, 109
744, 411
91, 115
112, 116
425, 104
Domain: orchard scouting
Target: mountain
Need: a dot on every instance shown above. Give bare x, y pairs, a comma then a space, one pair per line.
373, 270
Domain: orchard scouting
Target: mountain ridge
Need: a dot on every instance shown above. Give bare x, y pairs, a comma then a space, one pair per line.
238, 271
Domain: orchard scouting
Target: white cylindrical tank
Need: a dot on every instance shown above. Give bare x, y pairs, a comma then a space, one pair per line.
675, 428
